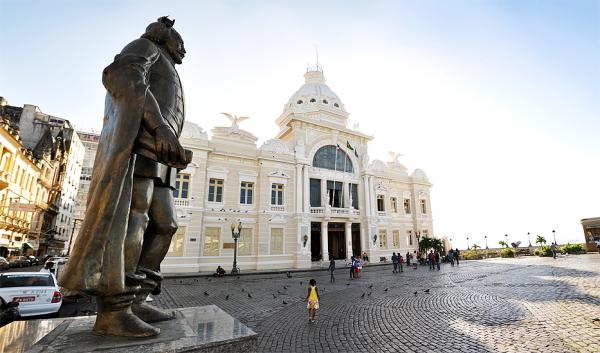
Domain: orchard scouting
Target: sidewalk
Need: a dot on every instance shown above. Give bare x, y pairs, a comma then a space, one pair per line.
316, 266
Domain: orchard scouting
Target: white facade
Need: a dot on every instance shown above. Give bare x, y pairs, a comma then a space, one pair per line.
90, 144
69, 187
308, 194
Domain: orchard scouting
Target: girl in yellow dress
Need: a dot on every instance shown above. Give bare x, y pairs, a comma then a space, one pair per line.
312, 297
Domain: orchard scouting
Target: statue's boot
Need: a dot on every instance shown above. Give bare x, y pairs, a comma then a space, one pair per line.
115, 318
143, 310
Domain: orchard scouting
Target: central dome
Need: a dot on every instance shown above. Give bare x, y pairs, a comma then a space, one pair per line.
315, 93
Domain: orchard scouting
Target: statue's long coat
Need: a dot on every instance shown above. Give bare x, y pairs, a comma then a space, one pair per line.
96, 266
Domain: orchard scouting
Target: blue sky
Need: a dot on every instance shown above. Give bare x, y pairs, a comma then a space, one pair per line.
498, 101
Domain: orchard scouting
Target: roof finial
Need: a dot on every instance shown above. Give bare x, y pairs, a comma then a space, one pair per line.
317, 54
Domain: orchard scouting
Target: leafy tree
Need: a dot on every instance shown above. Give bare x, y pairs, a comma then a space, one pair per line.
540, 240
503, 243
431, 243
475, 247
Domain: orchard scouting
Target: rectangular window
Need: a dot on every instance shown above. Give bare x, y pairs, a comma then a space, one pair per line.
276, 241
335, 193
424, 206
407, 206
212, 237
396, 239
277, 194
425, 233
245, 242
315, 192
383, 238
410, 237
176, 247
215, 190
394, 203
246, 193
354, 195
182, 186
380, 203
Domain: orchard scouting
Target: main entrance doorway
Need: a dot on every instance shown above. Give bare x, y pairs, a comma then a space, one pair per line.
315, 241
337, 240
356, 239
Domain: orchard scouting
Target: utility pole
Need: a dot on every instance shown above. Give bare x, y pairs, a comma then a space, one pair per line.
75, 221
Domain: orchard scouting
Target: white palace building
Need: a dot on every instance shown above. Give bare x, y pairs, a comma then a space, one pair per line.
308, 194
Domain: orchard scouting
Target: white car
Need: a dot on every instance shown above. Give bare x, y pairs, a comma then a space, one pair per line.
36, 292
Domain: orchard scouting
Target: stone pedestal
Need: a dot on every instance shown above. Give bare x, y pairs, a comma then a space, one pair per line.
197, 329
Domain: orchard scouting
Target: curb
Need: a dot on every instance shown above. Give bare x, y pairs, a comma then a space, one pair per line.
264, 272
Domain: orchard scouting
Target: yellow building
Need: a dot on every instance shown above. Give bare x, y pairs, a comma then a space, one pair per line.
23, 194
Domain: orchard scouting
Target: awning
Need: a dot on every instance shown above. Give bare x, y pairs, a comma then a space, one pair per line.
27, 245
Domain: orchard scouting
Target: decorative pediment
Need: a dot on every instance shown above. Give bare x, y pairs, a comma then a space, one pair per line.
278, 174
276, 146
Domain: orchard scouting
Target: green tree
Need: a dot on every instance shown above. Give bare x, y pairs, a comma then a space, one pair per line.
503, 243
475, 247
540, 240
431, 243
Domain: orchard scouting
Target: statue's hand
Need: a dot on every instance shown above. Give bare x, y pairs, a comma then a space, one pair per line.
168, 149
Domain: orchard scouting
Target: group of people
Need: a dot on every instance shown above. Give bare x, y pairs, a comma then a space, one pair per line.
356, 264
397, 261
453, 255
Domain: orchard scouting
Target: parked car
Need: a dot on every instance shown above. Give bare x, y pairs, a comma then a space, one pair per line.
19, 261
36, 292
33, 260
4, 264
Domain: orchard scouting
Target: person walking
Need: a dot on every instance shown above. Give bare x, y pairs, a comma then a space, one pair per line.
352, 267
553, 248
395, 262
408, 258
451, 257
456, 255
415, 259
331, 269
598, 245
312, 297
400, 261
437, 259
431, 259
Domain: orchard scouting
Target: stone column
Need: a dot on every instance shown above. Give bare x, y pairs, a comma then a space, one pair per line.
324, 241
306, 190
367, 195
324, 192
373, 195
348, 240
347, 195
299, 183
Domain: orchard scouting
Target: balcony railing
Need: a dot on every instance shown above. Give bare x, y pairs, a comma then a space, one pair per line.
182, 202
317, 210
340, 211
277, 208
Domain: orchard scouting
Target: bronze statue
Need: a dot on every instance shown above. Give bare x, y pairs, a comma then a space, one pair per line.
130, 211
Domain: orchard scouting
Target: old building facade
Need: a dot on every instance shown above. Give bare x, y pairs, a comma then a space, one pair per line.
308, 194
55, 148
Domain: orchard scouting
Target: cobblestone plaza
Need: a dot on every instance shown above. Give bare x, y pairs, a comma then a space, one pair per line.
527, 304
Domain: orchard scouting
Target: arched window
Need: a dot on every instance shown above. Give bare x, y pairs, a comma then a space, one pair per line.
334, 158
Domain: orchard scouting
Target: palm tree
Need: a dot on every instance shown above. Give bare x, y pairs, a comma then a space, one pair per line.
475, 247
503, 243
540, 240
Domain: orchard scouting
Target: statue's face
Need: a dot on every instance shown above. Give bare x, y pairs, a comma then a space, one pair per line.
174, 46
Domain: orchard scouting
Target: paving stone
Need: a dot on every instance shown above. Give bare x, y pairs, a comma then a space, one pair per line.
528, 304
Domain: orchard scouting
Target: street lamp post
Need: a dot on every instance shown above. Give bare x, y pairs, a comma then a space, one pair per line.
418, 235
468, 247
554, 236
529, 238
75, 221
486, 246
506, 241
235, 233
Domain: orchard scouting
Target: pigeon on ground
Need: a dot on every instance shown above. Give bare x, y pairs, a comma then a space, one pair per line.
288, 274
369, 294
249, 296
385, 290
243, 290
284, 287
206, 293
415, 293
284, 302
426, 290
347, 284
274, 296
210, 279
227, 297
371, 286
363, 295
278, 292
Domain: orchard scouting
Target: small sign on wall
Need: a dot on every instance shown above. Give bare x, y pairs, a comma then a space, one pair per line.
192, 239
228, 245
